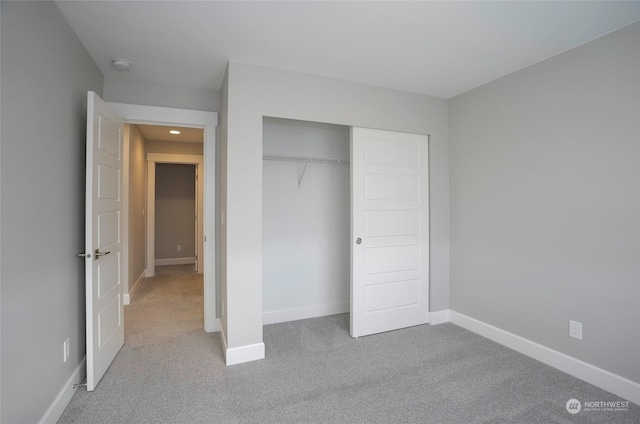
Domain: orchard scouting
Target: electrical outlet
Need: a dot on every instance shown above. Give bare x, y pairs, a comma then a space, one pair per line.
575, 329
179, 248
66, 349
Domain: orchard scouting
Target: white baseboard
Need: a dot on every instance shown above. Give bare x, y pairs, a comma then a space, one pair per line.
242, 354
239, 355
175, 261
55, 410
286, 315
606, 380
127, 296
439, 317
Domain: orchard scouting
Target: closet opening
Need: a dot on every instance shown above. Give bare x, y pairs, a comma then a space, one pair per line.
306, 219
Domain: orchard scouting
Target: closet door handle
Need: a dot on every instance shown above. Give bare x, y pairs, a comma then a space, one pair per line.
358, 240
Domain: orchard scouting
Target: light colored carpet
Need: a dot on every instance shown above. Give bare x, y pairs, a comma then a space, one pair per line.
171, 371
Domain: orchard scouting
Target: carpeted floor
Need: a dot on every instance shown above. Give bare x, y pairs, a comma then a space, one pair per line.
171, 371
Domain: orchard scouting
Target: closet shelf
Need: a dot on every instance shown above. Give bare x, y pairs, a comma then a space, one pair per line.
306, 162
301, 159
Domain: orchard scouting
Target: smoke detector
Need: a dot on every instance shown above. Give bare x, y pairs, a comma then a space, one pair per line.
121, 64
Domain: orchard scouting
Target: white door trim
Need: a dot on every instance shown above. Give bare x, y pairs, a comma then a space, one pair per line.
125, 216
152, 160
153, 115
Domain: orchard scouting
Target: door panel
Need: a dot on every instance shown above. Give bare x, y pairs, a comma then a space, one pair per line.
380, 223
390, 219
392, 187
108, 275
108, 228
108, 183
105, 324
394, 295
109, 321
403, 258
390, 152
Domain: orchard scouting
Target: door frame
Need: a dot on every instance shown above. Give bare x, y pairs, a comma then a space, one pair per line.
181, 159
208, 121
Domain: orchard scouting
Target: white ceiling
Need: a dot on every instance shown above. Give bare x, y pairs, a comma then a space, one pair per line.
436, 48
161, 133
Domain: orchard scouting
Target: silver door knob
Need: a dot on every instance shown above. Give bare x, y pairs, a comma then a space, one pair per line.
84, 255
98, 253
358, 240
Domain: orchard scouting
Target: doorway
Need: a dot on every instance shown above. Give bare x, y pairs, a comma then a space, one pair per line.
176, 216
207, 122
159, 160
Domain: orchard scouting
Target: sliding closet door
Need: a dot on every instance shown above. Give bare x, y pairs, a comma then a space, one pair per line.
389, 231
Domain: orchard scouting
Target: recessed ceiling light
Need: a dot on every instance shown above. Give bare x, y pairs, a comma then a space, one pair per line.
174, 132
121, 64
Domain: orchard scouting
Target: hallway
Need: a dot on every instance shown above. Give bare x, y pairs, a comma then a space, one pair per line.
166, 305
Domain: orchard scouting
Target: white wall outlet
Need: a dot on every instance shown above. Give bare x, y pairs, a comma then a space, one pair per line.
66, 349
179, 248
575, 329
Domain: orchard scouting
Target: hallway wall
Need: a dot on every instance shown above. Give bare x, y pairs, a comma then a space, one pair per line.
137, 206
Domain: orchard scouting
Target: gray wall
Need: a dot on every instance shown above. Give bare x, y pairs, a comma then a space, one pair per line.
121, 90
545, 202
46, 73
175, 211
137, 205
254, 92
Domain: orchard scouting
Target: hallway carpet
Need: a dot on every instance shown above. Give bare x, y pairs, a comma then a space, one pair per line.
171, 371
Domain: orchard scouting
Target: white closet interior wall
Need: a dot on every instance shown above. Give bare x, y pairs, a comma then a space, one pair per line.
306, 262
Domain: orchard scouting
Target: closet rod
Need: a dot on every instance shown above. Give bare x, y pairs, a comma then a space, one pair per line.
299, 159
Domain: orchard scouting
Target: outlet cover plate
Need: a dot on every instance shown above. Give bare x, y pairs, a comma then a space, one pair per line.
575, 329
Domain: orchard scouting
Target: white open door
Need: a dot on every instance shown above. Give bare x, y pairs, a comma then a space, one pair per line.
389, 230
103, 250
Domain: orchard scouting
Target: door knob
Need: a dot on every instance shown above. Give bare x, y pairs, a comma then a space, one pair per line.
84, 255
98, 253
358, 240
